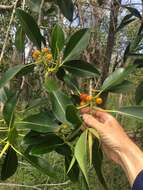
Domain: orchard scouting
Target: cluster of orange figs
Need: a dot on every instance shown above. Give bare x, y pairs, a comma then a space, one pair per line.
44, 53
86, 98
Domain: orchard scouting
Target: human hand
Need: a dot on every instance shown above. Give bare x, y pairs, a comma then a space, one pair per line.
115, 142
112, 135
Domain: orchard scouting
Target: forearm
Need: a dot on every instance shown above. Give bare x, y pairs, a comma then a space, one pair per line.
131, 160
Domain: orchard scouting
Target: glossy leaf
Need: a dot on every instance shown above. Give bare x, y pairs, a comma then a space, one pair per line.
10, 74
77, 44
124, 87
42, 122
90, 144
72, 116
19, 40
10, 164
134, 12
81, 68
126, 20
30, 27
57, 41
51, 85
41, 164
48, 145
59, 102
81, 154
97, 158
139, 93
8, 110
67, 8
117, 77
71, 82
35, 104
34, 138
132, 111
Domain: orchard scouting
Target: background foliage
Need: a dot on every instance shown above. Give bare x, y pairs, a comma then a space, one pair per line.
116, 36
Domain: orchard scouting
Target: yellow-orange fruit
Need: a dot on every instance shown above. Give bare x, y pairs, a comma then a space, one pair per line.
36, 54
89, 98
45, 50
82, 103
83, 96
99, 101
49, 57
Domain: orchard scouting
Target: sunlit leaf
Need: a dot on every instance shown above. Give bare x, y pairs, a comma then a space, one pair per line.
77, 44
57, 41
20, 39
81, 68
30, 27
117, 77
81, 154
59, 102
42, 122
131, 111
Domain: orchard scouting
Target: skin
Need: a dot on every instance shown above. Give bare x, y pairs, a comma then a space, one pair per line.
115, 143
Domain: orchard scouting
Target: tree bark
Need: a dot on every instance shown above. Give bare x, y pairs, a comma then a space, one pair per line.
110, 44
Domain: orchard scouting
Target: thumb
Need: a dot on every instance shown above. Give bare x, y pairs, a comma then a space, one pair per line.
92, 122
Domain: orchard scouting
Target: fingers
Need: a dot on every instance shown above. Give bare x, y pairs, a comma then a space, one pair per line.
101, 115
92, 122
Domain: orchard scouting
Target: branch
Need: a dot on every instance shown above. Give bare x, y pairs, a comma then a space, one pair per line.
19, 185
6, 7
53, 185
8, 29
36, 187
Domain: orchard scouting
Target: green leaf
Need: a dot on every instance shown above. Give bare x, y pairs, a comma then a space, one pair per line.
73, 116
97, 158
81, 68
34, 138
51, 85
71, 82
10, 74
131, 111
9, 109
64, 150
67, 8
126, 20
139, 93
59, 102
57, 41
19, 40
50, 143
35, 104
3, 95
73, 174
134, 12
42, 122
26, 70
30, 27
81, 154
41, 164
117, 77
77, 44
10, 164
124, 87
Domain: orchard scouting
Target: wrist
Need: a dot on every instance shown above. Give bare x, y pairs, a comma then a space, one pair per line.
131, 160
